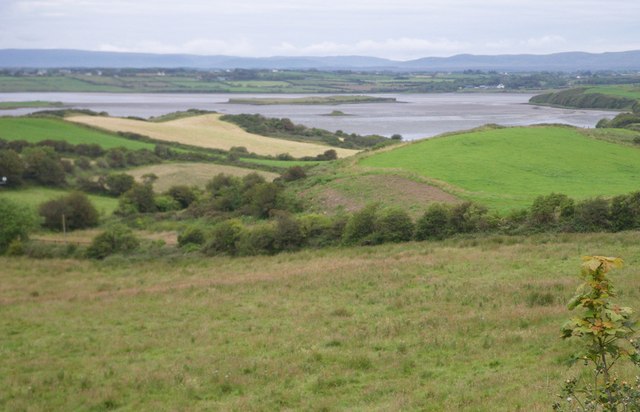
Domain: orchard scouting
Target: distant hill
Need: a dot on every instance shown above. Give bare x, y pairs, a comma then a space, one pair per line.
570, 61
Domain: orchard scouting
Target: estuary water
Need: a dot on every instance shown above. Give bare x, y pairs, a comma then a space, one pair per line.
414, 116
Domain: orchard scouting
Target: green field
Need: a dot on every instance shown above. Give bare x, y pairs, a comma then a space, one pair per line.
629, 91
34, 196
34, 130
331, 100
507, 168
28, 104
466, 325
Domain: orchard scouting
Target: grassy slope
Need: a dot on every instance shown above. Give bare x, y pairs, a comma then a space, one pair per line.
208, 131
629, 91
191, 174
32, 103
34, 196
419, 326
508, 168
38, 129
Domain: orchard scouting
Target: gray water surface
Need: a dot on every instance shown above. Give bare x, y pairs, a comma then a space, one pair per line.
414, 116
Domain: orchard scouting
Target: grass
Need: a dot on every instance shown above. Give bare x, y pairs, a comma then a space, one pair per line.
191, 174
28, 104
260, 101
507, 168
208, 131
34, 196
469, 325
284, 164
35, 130
629, 91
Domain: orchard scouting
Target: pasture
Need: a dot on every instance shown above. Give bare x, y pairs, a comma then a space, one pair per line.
35, 130
471, 324
34, 196
208, 131
507, 168
191, 174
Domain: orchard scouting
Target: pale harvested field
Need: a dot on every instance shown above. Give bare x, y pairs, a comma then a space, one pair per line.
210, 132
191, 174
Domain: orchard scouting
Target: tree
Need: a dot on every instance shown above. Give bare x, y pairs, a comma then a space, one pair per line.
78, 211
118, 183
140, 199
182, 194
11, 167
16, 221
434, 223
606, 330
43, 166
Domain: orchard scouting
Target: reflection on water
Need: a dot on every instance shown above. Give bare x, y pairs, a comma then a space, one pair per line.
416, 116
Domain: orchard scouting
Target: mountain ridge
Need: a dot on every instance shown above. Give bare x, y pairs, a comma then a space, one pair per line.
565, 61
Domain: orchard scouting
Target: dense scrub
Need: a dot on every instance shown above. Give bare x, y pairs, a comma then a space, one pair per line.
578, 98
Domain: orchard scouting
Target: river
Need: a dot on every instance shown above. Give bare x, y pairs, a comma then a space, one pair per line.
414, 116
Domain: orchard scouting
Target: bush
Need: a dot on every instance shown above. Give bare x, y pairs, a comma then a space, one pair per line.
360, 227
393, 225
293, 173
468, 217
78, 211
259, 240
118, 183
43, 166
182, 194
115, 239
434, 223
140, 198
288, 235
191, 236
592, 215
224, 238
551, 210
166, 204
16, 221
319, 230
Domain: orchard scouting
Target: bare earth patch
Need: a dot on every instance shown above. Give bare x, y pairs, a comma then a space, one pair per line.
353, 193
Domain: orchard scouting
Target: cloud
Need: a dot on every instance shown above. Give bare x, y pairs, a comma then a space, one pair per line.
194, 46
401, 48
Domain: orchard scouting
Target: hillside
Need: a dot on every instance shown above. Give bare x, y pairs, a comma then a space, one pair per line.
209, 132
597, 97
507, 168
569, 61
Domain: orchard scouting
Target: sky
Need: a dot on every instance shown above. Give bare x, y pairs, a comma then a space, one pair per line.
394, 29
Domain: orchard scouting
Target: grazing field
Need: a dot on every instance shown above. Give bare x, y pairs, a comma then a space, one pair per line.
507, 168
34, 196
631, 91
35, 130
261, 101
210, 132
462, 325
191, 174
33, 103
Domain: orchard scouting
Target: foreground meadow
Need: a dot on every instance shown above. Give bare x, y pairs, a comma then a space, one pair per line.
466, 324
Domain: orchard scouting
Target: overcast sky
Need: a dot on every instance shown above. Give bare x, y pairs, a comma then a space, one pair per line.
396, 29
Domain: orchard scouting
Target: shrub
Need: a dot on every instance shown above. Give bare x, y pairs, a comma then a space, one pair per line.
293, 173
550, 210
288, 235
591, 215
77, 209
115, 239
182, 194
393, 225
166, 203
434, 223
191, 236
118, 183
360, 227
224, 238
319, 230
259, 240
43, 166
468, 217
140, 199
624, 213
16, 221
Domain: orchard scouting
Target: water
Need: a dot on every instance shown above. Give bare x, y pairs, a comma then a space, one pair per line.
415, 116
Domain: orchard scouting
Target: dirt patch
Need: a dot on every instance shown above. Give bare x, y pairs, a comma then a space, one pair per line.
353, 193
